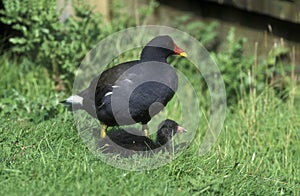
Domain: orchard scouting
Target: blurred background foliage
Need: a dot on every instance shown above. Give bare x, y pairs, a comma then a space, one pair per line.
41, 52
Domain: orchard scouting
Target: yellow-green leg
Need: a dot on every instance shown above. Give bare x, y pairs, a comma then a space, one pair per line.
146, 130
103, 130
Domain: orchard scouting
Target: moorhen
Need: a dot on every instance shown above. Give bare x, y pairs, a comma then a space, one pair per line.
134, 91
123, 142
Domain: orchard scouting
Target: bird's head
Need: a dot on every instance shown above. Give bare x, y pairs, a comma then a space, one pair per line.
167, 129
161, 47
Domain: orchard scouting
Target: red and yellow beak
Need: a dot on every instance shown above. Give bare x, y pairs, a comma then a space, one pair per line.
179, 51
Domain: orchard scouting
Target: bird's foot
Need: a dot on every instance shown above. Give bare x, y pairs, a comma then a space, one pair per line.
103, 131
146, 130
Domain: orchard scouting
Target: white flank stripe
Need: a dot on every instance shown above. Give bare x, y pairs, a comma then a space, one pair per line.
108, 93
127, 80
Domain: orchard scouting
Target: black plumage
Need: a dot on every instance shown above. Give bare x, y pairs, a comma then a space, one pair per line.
132, 92
128, 141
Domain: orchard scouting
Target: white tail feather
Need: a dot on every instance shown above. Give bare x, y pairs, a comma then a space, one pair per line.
75, 99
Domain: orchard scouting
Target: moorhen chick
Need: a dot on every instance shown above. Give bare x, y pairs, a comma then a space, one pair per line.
134, 91
121, 141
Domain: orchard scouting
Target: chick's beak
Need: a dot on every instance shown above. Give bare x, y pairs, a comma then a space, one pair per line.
181, 129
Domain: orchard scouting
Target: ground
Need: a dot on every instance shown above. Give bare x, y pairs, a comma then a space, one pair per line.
260, 158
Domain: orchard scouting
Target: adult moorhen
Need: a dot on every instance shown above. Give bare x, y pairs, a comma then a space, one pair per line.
123, 142
134, 91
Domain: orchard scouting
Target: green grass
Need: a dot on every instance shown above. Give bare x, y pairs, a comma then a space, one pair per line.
51, 158
257, 153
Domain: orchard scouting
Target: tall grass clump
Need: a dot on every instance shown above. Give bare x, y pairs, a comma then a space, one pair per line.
43, 51
59, 43
27, 95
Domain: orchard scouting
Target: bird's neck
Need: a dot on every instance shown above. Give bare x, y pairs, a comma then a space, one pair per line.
162, 140
165, 142
153, 54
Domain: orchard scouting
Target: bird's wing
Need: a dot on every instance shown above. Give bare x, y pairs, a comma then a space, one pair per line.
110, 76
105, 82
